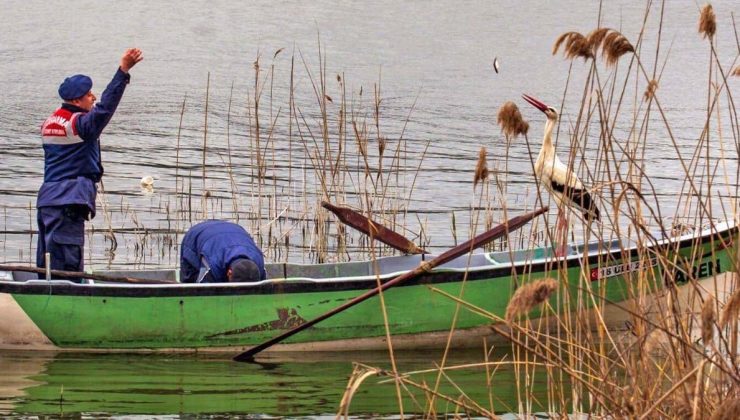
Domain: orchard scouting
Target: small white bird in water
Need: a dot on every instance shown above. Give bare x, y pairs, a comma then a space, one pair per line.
147, 181
495, 64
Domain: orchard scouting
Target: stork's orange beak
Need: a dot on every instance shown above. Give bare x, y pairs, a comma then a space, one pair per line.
535, 102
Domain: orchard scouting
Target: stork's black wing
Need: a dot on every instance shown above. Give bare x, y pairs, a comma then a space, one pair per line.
580, 197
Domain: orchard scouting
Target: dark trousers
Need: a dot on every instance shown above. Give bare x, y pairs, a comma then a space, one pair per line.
62, 235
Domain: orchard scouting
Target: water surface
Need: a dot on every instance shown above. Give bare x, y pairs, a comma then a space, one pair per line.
79, 385
431, 63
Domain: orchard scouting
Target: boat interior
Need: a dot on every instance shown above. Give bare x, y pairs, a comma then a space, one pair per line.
359, 270
392, 266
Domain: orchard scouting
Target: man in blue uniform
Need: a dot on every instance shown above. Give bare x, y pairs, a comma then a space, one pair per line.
217, 251
72, 164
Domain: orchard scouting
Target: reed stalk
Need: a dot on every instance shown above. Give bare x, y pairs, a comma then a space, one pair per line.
336, 145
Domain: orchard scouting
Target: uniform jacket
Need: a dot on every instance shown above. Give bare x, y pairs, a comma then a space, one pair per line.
72, 162
219, 243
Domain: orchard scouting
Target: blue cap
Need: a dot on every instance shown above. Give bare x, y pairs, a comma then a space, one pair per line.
75, 86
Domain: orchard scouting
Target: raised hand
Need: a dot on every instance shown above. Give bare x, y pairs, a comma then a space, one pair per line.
129, 59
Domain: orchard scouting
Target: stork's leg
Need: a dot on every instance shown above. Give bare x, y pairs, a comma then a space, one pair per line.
561, 235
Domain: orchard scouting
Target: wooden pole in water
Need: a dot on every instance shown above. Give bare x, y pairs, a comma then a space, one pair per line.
424, 267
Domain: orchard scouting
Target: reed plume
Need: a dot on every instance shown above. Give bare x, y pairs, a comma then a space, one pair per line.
530, 295
612, 43
707, 22
732, 309
614, 46
736, 72
511, 121
650, 90
481, 168
707, 321
728, 411
596, 37
576, 45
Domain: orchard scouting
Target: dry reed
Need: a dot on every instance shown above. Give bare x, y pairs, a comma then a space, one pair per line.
576, 45
708, 318
622, 377
614, 46
596, 37
528, 296
612, 43
511, 121
652, 87
728, 410
732, 309
481, 168
350, 154
707, 22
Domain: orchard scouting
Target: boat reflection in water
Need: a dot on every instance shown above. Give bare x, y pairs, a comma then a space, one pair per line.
170, 385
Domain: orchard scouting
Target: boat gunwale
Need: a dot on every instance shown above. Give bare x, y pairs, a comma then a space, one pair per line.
438, 275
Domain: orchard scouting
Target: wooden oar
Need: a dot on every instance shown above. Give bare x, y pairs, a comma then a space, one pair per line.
79, 274
373, 229
425, 266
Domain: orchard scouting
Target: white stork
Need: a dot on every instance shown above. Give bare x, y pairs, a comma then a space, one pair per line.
558, 179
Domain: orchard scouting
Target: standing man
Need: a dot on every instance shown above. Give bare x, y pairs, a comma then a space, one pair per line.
216, 251
72, 164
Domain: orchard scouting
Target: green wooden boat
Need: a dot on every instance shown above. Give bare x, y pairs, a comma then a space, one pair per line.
58, 314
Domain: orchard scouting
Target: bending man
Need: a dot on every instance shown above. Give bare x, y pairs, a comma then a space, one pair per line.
217, 251
72, 164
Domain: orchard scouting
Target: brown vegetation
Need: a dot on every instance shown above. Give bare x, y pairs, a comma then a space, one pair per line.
678, 358
529, 296
511, 121
707, 22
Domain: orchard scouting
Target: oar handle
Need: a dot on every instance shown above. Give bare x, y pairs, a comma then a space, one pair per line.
80, 274
449, 255
373, 229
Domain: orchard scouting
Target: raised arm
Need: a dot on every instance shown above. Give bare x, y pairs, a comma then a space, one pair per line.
91, 124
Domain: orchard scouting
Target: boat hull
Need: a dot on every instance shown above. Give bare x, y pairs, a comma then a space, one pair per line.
419, 314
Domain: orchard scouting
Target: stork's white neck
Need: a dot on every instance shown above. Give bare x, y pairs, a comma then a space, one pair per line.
547, 140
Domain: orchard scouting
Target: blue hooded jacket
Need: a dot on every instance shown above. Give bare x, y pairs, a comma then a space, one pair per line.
219, 243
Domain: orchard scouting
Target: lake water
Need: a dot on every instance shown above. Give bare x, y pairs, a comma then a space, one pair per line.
431, 62
88, 386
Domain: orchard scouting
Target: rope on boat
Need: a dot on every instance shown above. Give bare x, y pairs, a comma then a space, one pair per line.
426, 266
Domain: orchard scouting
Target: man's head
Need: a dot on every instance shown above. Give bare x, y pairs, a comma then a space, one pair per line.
76, 90
243, 270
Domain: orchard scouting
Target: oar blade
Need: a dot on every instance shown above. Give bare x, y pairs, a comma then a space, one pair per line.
373, 229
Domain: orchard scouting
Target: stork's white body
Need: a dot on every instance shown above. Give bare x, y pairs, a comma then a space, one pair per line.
549, 168
558, 178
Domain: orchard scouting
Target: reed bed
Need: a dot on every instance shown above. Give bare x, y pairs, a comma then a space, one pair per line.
676, 355
267, 166
276, 161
